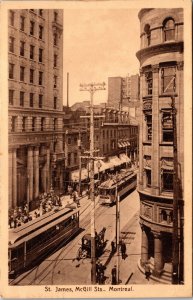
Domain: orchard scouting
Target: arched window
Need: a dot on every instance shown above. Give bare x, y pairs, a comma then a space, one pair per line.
169, 29
147, 34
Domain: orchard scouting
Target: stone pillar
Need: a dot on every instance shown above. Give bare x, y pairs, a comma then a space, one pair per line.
141, 133
10, 175
36, 171
30, 171
48, 170
158, 254
14, 174
144, 246
155, 182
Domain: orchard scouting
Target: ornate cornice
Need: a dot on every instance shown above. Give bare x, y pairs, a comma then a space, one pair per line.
159, 49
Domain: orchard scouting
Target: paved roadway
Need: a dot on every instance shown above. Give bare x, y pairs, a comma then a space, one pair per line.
62, 267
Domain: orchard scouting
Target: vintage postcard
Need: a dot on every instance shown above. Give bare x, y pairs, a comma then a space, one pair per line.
96, 157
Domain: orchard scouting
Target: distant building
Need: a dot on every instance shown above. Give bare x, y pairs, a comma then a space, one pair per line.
123, 91
161, 75
36, 153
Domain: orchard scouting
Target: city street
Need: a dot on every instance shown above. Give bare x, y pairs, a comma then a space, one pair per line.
62, 267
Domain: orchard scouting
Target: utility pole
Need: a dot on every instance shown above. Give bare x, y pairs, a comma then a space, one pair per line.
80, 162
92, 88
175, 241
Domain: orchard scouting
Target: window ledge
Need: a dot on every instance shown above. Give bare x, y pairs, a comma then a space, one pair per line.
166, 144
167, 95
147, 97
147, 143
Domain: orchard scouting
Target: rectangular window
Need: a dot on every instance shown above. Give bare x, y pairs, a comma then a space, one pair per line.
167, 179
11, 94
75, 158
55, 39
22, 48
69, 141
32, 51
55, 60
40, 101
11, 71
22, 23
55, 16
11, 18
40, 78
33, 124
24, 124
40, 55
42, 124
148, 177
40, 32
13, 123
55, 123
55, 102
32, 24
149, 126
31, 99
69, 158
55, 81
167, 127
41, 12
22, 73
31, 76
11, 44
168, 79
149, 82
21, 98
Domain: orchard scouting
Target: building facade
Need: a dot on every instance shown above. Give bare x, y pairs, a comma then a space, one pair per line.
36, 152
123, 91
161, 80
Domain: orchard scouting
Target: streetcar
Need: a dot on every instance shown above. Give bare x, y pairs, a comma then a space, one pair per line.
32, 241
121, 183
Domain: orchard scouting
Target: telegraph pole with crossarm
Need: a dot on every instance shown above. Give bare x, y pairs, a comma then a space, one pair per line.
92, 88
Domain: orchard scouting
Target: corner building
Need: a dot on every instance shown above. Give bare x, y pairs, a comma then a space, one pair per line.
36, 154
161, 78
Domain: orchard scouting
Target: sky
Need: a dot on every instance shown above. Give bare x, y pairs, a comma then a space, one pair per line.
98, 43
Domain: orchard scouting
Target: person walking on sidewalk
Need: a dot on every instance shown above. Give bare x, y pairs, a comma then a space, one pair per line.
147, 271
113, 247
114, 275
123, 249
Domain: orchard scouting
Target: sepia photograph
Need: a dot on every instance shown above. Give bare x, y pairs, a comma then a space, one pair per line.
96, 149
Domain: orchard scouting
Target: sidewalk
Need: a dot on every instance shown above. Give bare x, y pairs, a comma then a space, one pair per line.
129, 272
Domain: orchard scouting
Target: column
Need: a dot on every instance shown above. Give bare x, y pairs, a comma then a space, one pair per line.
155, 132
14, 174
141, 133
144, 246
158, 254
10, 175
48, 173
30, 171
36, 172
44, 171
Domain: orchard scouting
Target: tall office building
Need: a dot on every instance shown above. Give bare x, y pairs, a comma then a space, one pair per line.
36, 154
161, 80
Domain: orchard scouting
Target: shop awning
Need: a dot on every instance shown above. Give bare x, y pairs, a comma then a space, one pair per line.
168, 168
115, 161
124, 158
75, 174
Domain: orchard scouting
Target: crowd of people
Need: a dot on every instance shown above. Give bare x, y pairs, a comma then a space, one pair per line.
21, 215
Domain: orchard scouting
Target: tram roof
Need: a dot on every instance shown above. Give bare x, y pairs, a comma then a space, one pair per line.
117, 179
26, 231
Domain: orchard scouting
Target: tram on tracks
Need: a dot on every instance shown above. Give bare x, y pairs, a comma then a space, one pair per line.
121, 184
32, 241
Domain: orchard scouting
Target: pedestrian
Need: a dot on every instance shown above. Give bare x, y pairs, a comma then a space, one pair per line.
97, 271
123, 249
101, 273
112, 247
114, 275
147, 271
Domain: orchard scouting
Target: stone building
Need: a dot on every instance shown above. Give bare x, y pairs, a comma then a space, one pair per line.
36, 148
161, 78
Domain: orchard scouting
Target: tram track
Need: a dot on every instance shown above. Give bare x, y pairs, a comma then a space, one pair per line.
68, 247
